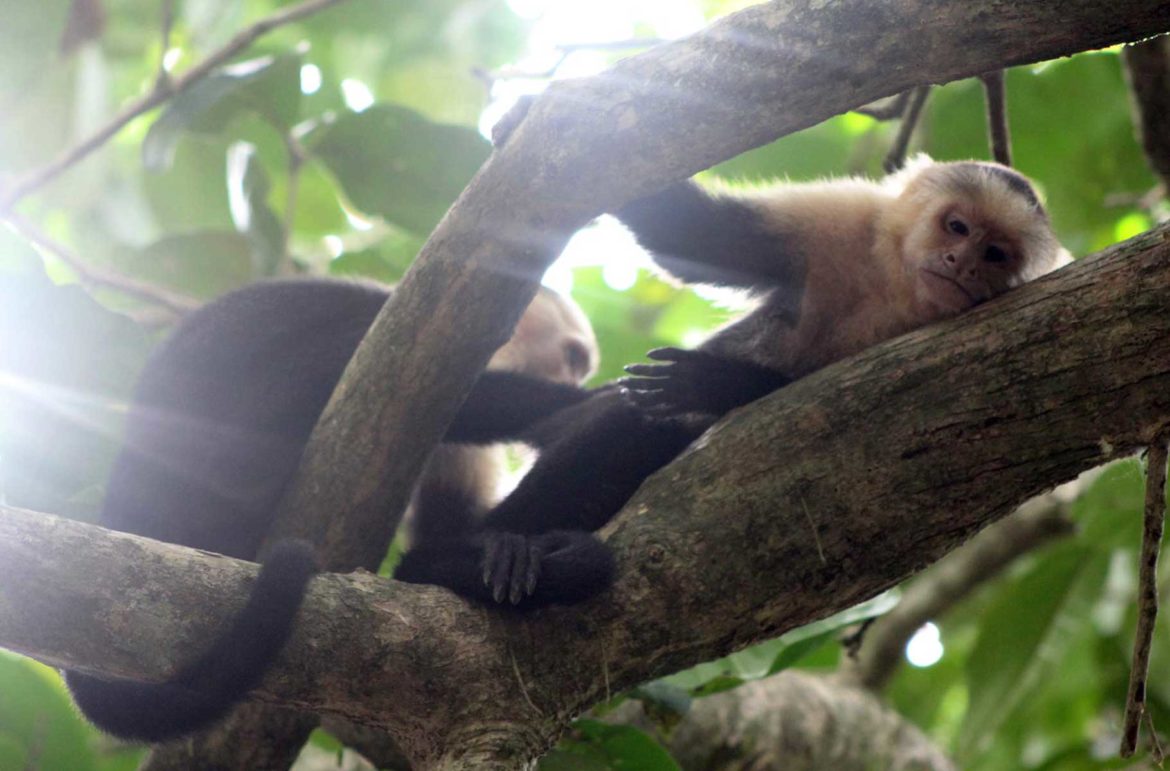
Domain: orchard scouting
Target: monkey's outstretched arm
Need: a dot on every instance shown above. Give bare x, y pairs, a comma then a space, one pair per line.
503, 405
708, 238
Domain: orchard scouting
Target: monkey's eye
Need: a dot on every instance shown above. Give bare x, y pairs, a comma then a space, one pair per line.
995, 254
957, 226
577, 356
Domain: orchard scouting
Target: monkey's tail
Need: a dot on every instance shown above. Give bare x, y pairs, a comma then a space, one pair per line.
204, 690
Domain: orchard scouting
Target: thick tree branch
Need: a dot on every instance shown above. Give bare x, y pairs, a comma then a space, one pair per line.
896, 455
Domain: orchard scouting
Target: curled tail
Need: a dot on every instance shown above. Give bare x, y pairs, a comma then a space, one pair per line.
204, 690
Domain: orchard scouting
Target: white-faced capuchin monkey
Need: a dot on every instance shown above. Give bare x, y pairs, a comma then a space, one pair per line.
219, 420
837, 266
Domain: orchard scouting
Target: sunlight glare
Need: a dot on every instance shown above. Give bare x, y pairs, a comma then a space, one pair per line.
357, 94
528, 9
925, 647
619, 275
171, 58
310, 79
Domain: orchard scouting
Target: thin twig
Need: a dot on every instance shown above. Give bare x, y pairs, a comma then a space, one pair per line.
886, 109
897, 155
997, 120
1153, 524
90, 275
159, 94
1147, 69
162, 80
1035, 524
1156, 752
296, 161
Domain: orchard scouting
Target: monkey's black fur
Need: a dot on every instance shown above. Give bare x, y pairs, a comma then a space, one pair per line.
219, 420
203, 690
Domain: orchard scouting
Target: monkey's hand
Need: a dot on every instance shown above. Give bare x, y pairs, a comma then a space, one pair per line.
513, 565
696, 381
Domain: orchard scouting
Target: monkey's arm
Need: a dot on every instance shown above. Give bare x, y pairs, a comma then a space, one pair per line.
697, 381
708, 238
536, 547
502, 406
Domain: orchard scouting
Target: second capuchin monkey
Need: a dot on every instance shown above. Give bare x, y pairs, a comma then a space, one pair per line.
215, 432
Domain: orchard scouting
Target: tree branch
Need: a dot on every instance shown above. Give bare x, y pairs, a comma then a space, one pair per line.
175, 303
794, 721
1023, 393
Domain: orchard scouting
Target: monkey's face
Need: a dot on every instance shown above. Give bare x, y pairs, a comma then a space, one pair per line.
970, 234
960, 258
553, 340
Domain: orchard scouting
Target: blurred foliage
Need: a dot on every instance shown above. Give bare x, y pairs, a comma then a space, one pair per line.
334, 145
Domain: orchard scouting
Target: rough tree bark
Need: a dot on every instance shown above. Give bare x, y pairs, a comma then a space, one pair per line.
820, 495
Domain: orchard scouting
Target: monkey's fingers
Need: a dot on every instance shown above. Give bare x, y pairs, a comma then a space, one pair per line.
522, 556
535, 558
650, 370
499, 556
674, 354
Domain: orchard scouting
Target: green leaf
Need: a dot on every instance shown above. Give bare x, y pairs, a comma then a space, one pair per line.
666, 703
248, 190
392, 162
202, 264
770, 657
37, 716
1013, 637
29, 39
269, 86
386, 261
597, 745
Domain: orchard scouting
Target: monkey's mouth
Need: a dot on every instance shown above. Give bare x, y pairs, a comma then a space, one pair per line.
947, 291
